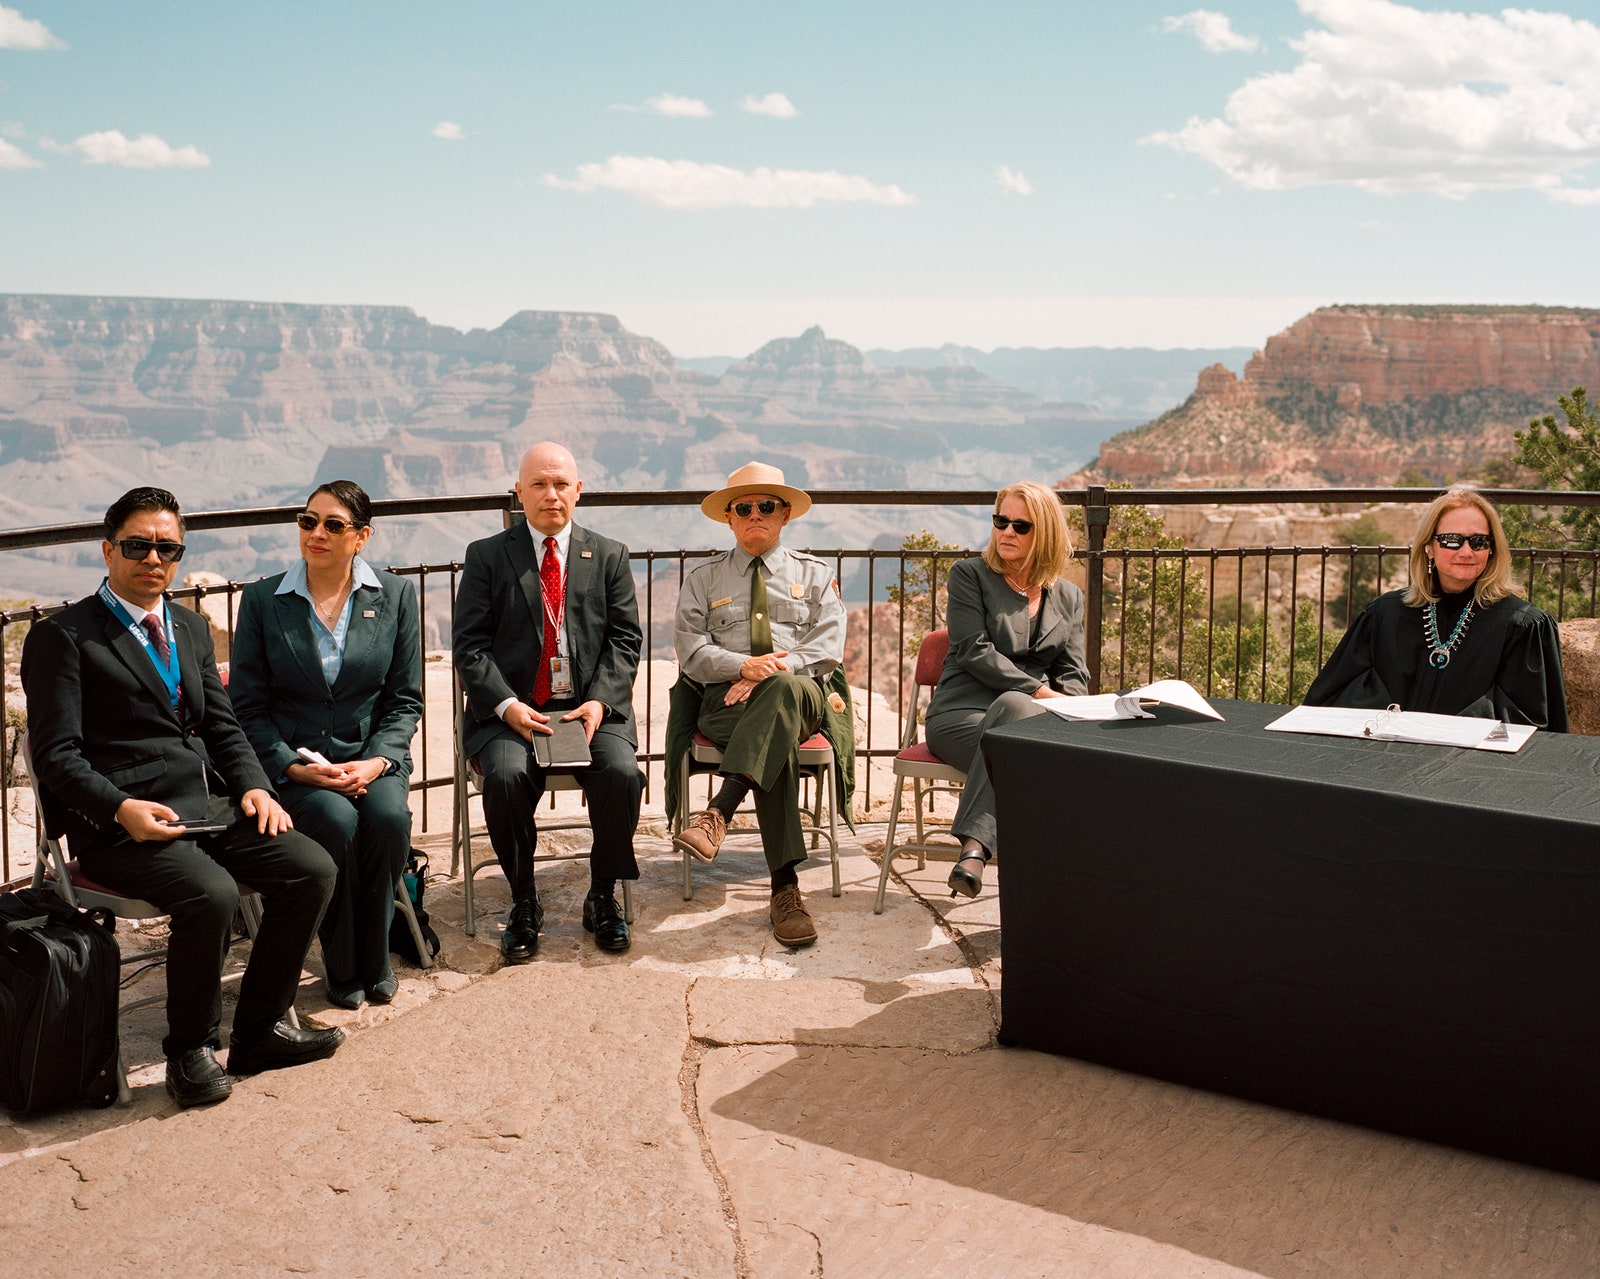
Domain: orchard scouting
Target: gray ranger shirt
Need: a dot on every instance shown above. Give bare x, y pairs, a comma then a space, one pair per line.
712, 635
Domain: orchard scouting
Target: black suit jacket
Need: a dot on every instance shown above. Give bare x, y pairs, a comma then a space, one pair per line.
102, 728
282, 697
499, 627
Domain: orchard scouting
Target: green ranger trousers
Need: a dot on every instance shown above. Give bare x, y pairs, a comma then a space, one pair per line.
760, 737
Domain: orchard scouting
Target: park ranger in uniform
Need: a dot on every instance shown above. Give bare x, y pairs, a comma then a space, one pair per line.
761, 629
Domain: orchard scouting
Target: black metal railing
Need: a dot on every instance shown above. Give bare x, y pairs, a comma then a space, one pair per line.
1250, 622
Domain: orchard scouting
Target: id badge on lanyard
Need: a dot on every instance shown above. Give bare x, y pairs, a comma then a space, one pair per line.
560, 667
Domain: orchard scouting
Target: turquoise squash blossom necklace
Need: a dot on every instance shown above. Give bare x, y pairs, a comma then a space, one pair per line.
1439, 651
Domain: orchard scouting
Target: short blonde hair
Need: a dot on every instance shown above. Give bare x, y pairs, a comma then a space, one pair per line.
1493, 584
1052, 543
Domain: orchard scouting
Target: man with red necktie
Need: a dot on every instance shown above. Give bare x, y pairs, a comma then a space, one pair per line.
142, 765
547, 628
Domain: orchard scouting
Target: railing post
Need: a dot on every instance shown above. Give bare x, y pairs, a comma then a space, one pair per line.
1096, 518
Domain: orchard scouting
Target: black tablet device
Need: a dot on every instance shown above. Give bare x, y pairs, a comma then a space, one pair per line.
567, 747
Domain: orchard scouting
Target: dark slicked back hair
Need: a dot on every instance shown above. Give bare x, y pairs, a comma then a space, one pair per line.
137, 502
351, 496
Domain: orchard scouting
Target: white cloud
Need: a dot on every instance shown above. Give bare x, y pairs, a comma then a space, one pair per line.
1214, 31
773, 104
1394, 99
670, 104
1016, 183
14, 157
447, 129
688, 184
144, 152
17, 32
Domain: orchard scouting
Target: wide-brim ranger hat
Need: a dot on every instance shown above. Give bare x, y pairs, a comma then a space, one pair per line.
755, 477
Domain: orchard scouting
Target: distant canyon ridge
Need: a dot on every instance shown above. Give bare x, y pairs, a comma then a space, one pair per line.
242, 404
1358, 395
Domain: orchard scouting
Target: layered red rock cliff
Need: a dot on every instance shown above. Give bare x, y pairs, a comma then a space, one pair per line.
1354, 395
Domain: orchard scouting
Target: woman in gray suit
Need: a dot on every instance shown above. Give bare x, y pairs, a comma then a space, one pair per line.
326, 678
1016, 638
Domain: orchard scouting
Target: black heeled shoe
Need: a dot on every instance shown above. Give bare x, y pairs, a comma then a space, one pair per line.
966, 883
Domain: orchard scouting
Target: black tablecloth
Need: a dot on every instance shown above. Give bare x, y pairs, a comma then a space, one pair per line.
1391, 934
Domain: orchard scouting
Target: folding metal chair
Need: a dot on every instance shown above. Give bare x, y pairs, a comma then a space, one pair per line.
469, 778
929, 775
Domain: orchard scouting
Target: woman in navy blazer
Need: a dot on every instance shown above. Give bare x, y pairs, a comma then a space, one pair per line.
327, 658
1016, 638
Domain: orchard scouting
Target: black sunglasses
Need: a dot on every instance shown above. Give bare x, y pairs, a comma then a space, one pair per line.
1453, 541
766, 507
332, 523
138, 548
1023, 527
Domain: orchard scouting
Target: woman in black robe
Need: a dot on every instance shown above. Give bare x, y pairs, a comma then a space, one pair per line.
1457, 640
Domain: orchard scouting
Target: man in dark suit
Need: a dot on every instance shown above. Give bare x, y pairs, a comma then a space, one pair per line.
134, 742
546, 628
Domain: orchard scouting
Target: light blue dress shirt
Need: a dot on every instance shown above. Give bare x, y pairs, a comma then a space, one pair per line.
330, 644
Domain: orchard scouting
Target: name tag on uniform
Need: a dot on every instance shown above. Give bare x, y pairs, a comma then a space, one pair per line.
560, 677
723, 602
798, 590
585, 555
369, 612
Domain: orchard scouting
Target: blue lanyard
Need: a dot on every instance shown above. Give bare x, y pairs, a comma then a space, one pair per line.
168, 670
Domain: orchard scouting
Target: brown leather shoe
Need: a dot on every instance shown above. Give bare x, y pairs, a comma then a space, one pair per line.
791, 925
703, 835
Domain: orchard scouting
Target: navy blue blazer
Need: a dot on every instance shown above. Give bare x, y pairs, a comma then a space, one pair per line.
283, 699
102, 728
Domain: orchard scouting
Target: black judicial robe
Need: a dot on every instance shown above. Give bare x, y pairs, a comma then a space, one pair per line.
1508, 664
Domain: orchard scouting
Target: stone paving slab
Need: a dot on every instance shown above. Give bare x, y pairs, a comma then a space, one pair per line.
530, 1124
1007, 1162
948, 1018
711, 1103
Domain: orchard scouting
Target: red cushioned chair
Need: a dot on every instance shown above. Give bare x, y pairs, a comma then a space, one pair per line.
815, 758
929, 775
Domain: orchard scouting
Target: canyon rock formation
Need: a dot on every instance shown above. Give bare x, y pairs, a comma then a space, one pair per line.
1354, 395
240, 404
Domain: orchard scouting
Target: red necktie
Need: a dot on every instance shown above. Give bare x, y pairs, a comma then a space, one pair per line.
550, 590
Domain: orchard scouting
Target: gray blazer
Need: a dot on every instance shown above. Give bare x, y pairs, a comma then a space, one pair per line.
989, 649
283, 700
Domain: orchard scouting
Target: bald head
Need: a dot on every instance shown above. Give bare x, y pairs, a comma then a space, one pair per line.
548, 487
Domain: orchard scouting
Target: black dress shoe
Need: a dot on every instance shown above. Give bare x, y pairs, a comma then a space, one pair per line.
602, 918
344, 997
283, 1046
968, 882
520, 942
383, 992
195, 1079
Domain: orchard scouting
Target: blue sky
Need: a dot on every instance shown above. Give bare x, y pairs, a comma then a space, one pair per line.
718, 174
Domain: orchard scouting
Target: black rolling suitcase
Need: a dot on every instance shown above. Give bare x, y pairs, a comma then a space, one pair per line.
58, 1004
